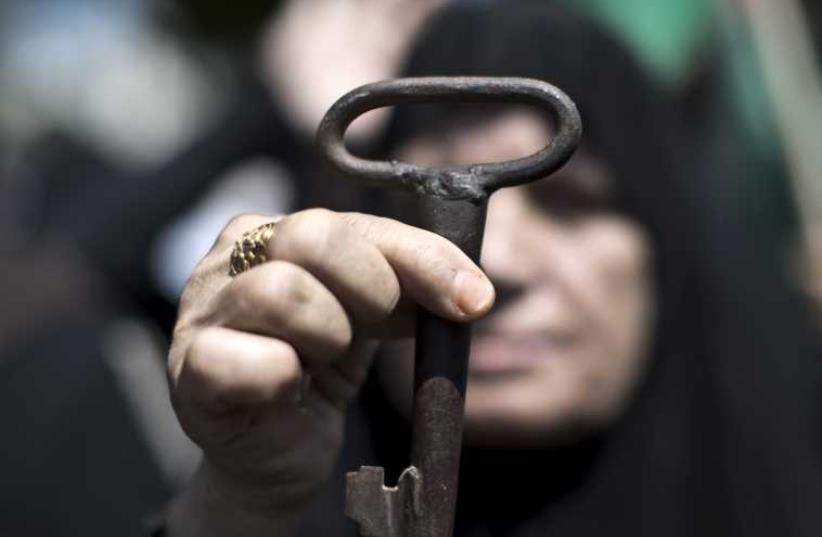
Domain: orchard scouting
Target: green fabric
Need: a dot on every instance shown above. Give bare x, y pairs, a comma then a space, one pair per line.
669, 37
666, 35
753, 131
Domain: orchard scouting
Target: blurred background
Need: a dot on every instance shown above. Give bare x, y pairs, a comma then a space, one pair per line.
132, 130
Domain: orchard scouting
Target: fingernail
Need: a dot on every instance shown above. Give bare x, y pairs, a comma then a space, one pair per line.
473, 294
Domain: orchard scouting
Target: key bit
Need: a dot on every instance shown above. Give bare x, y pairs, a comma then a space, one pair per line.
453, 203
382, 511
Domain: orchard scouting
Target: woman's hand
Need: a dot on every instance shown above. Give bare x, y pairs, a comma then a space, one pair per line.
262, 365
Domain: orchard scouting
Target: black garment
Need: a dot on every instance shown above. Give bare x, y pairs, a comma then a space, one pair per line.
723, 436
72, 462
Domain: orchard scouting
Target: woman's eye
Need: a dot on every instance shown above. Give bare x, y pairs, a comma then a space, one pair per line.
567, 196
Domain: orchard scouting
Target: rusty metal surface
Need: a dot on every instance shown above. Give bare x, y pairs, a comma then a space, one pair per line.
453, 203
472, 182
383, 511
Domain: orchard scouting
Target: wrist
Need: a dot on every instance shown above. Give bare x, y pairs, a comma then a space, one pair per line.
212, 506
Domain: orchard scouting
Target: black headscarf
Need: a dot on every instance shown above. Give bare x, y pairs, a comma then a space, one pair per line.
723, 435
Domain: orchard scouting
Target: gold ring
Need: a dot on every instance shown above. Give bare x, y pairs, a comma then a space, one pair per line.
250, 250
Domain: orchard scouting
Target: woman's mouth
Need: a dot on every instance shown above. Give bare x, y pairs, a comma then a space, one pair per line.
496, 354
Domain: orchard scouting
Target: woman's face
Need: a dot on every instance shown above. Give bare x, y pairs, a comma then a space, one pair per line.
566, 342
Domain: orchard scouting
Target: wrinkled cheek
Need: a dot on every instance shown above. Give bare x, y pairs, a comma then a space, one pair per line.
619, 361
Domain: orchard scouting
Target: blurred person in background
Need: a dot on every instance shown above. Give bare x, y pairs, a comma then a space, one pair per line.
647, 369
126, 140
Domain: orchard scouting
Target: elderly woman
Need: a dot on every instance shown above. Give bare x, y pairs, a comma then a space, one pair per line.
643, 372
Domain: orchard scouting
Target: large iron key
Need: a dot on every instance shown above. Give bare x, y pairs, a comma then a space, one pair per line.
454, 201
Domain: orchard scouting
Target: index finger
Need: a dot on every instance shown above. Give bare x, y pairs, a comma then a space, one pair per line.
432, 271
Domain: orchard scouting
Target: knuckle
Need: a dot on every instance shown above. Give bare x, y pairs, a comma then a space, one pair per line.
283, 299
392, 299
305, 220
286, 284
260, 373
339, 333
368, 225
440, 247
311, 234
197, 381
199, 350
427, 253
290, 369
238, 299
300, 298
380, 304
254, 300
